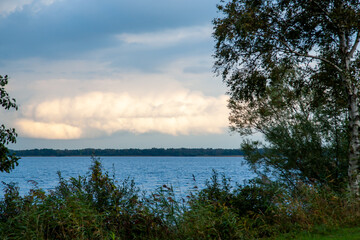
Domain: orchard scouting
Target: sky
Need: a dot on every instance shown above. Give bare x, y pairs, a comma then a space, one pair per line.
113, 74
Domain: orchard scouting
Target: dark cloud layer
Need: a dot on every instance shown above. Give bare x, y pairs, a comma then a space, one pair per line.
67, 28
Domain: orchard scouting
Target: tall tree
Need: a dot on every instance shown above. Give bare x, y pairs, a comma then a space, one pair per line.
258, 41
306, 138
8, 161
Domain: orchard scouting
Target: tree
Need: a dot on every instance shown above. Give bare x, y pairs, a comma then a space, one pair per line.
259, 42
307, 138
8, 161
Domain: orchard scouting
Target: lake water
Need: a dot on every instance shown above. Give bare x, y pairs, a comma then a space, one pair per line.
148, 172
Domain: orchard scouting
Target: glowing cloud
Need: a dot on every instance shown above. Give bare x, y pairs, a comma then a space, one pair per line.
49, 130
181, 112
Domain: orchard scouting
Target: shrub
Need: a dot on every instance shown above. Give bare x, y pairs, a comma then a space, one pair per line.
97, 207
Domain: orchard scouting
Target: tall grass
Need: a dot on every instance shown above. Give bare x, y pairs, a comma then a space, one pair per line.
95, 206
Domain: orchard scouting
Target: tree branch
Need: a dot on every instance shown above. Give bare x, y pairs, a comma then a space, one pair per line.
354, 47
310, 56
326, 14
343, 44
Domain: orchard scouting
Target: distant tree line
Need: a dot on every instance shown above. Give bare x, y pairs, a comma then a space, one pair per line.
130, 152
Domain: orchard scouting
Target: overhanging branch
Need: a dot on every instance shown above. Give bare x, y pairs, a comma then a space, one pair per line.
354, 47
310, 56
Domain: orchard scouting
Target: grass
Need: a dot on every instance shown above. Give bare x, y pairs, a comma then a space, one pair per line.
95, 206
337, 234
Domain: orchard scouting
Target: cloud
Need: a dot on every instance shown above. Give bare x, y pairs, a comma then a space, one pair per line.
49, 130
168, 37
10, 6
90, 99
175, 113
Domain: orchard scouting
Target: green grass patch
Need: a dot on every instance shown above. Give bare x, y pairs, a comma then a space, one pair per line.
335, 234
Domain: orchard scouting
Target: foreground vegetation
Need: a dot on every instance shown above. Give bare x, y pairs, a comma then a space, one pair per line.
97, 207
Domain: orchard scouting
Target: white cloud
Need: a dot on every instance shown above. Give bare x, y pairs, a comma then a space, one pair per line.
177, 113
168, 37
47, 2
49, 130
90, 99
9, 6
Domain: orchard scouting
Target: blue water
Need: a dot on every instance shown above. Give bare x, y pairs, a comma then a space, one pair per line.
148, 172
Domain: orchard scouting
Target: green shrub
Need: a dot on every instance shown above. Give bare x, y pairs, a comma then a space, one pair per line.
95, 206
92, 207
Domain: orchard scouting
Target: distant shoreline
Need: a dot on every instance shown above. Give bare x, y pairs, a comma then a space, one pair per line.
129, 156
131, 152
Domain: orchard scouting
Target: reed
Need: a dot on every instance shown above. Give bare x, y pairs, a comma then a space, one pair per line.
95, 206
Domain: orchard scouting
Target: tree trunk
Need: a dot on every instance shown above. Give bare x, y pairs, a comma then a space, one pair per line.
354, 149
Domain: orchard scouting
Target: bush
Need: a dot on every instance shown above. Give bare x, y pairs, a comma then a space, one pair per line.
97, 207
92, 207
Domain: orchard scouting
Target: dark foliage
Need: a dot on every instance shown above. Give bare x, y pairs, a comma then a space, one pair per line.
291, 68
8, 160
